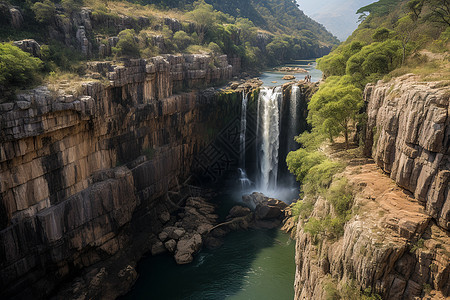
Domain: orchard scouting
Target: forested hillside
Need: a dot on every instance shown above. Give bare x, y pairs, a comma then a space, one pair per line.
276, 16
394, 38
69, 32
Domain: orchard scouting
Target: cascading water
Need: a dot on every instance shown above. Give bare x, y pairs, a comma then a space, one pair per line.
269, 103
243, 130
293, 128
243, 179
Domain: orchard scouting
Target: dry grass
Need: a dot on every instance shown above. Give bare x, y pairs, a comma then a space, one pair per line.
65, 83
134, 10
431, 70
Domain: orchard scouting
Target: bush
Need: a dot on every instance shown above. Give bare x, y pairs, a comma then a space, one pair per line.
44, 11
302, 209
182, 40
127, 44
319, 177
18, 69
71, 6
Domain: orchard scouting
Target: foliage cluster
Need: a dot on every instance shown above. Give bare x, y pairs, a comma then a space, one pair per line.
315, 171
331, 226
213, 31
276, 16
18, 69
348, 291
385, 39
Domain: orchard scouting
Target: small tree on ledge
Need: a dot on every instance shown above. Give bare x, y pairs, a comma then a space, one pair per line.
334, 107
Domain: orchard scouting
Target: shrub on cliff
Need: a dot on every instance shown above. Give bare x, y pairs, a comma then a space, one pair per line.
334, 108
44, 11
18, 69
182, 40
127, 44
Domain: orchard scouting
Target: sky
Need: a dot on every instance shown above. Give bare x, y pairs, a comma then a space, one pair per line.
338, 16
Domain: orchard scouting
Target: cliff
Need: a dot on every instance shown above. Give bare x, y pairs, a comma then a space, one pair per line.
409, 135
78, 170
396, 243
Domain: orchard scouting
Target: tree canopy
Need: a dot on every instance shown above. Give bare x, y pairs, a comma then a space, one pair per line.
17, 68
334, 107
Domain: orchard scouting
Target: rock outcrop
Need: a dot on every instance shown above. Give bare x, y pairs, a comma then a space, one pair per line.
396, 243
408, 135
80, 173
185, 237
390, 247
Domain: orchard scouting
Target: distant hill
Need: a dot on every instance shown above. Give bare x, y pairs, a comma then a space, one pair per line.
276, 16
338, 16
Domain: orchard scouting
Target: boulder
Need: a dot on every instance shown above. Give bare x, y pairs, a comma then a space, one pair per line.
267, 212
288, 77
158, 248
163, 236
177, 233
171, 245
186, 248
239, 211
164, 217
16, 18
30, 46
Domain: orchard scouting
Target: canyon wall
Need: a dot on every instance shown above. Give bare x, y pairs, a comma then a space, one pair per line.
397, 242
408, 135
77, 169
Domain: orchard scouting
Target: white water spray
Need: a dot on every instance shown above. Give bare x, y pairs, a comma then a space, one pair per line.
269, 103
292, 132
243, 179
243, 130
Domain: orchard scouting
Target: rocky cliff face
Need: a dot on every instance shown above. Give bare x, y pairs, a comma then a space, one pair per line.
74, 168
409, 137
396, 244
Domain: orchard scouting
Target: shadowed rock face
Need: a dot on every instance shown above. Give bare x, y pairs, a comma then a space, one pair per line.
77, 169
397, 243
408, 135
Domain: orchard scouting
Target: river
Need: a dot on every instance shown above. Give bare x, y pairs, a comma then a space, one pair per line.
253, 264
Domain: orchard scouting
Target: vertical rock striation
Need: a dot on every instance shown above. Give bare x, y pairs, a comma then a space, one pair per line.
408, 135
75, 168
397, 243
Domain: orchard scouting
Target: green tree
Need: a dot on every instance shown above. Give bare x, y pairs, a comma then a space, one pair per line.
182, 40
278, 49
44, 11
440, 11
71, 6
204, 16
405, 29
127, 44
335, 106
18, 69
381, 34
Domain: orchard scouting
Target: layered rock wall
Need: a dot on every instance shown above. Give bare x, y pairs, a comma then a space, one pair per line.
408, 135
396, 243
74, 168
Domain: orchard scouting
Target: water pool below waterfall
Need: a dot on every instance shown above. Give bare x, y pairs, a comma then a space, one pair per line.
253, 264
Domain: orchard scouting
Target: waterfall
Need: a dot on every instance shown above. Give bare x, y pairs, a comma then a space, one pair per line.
292, 145
243, 130
269, 103
243, 179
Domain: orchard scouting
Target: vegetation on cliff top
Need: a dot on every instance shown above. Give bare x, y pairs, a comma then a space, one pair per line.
261, 33
18, 69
